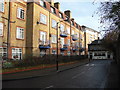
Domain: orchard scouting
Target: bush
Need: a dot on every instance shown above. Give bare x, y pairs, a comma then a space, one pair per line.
7, 64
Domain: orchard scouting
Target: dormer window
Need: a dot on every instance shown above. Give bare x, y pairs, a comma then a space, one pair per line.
72, 23
61, 15
42, 3
67, 19
53, 10
76, 25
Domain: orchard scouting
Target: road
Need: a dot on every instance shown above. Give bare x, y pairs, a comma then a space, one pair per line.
92, 75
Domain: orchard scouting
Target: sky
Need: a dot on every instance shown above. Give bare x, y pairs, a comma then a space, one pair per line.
83, 11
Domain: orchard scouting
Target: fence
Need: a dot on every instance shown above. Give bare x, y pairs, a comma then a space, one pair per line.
45, 60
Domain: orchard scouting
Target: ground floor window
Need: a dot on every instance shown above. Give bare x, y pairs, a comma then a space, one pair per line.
54, 52
42, 53
62, 53
68, 53
3, 53
16, 53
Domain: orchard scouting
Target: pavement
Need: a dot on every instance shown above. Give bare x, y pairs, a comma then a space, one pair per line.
41, 72
112, 81
113, 76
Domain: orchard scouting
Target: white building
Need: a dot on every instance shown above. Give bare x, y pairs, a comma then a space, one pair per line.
96, 51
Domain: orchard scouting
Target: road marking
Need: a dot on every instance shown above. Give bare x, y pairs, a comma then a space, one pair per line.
78, 75
90, 65
90, 68
50, 86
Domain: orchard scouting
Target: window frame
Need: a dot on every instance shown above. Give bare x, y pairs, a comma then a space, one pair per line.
15, 53
43, 34
1, 29
3, 52
21, 33
21, 14
54, 23
43, 19
2, 3
54, 38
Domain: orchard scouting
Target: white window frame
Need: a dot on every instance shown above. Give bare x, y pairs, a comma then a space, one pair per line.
62, 40
43, 37
62, 28
1, 29
43, 18
21, 13
3, 52
68, 30
2, 6
54, 23
17, 52
54, 39
73, 32
20, 33
68, 42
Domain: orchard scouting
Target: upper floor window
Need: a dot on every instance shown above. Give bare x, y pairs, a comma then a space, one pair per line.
68, 30
42, 3
54, 23
53, 10
2, 6
20, 13
73, 32
54, 39
43, 37
43, 18
62, 27
68, 42
20, 33
1, 29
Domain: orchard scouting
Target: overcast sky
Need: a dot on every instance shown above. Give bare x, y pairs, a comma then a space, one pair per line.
82, 11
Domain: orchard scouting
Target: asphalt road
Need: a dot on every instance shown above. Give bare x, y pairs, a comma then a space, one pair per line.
92, 75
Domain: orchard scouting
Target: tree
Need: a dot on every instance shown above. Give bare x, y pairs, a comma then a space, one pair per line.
110, 18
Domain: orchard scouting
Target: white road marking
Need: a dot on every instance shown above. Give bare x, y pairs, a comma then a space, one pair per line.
78, 75
90, 65
50, 86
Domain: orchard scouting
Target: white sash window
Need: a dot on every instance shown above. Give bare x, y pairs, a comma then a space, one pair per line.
16, 53
20, 33
20, 13
43, 37
54, 39
1, 29
43, 18
1, 5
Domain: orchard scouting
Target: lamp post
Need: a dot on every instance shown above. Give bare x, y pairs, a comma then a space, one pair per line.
57, 48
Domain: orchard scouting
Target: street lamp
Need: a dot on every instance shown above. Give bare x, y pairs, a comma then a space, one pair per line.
58, 42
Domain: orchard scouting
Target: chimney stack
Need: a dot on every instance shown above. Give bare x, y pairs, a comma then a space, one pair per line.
57, 5
68, 13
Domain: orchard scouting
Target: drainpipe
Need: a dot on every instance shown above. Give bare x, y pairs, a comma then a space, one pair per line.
8, 32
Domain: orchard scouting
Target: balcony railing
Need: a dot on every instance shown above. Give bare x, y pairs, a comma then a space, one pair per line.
74, 37
44, 45
64, 47
63, 33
